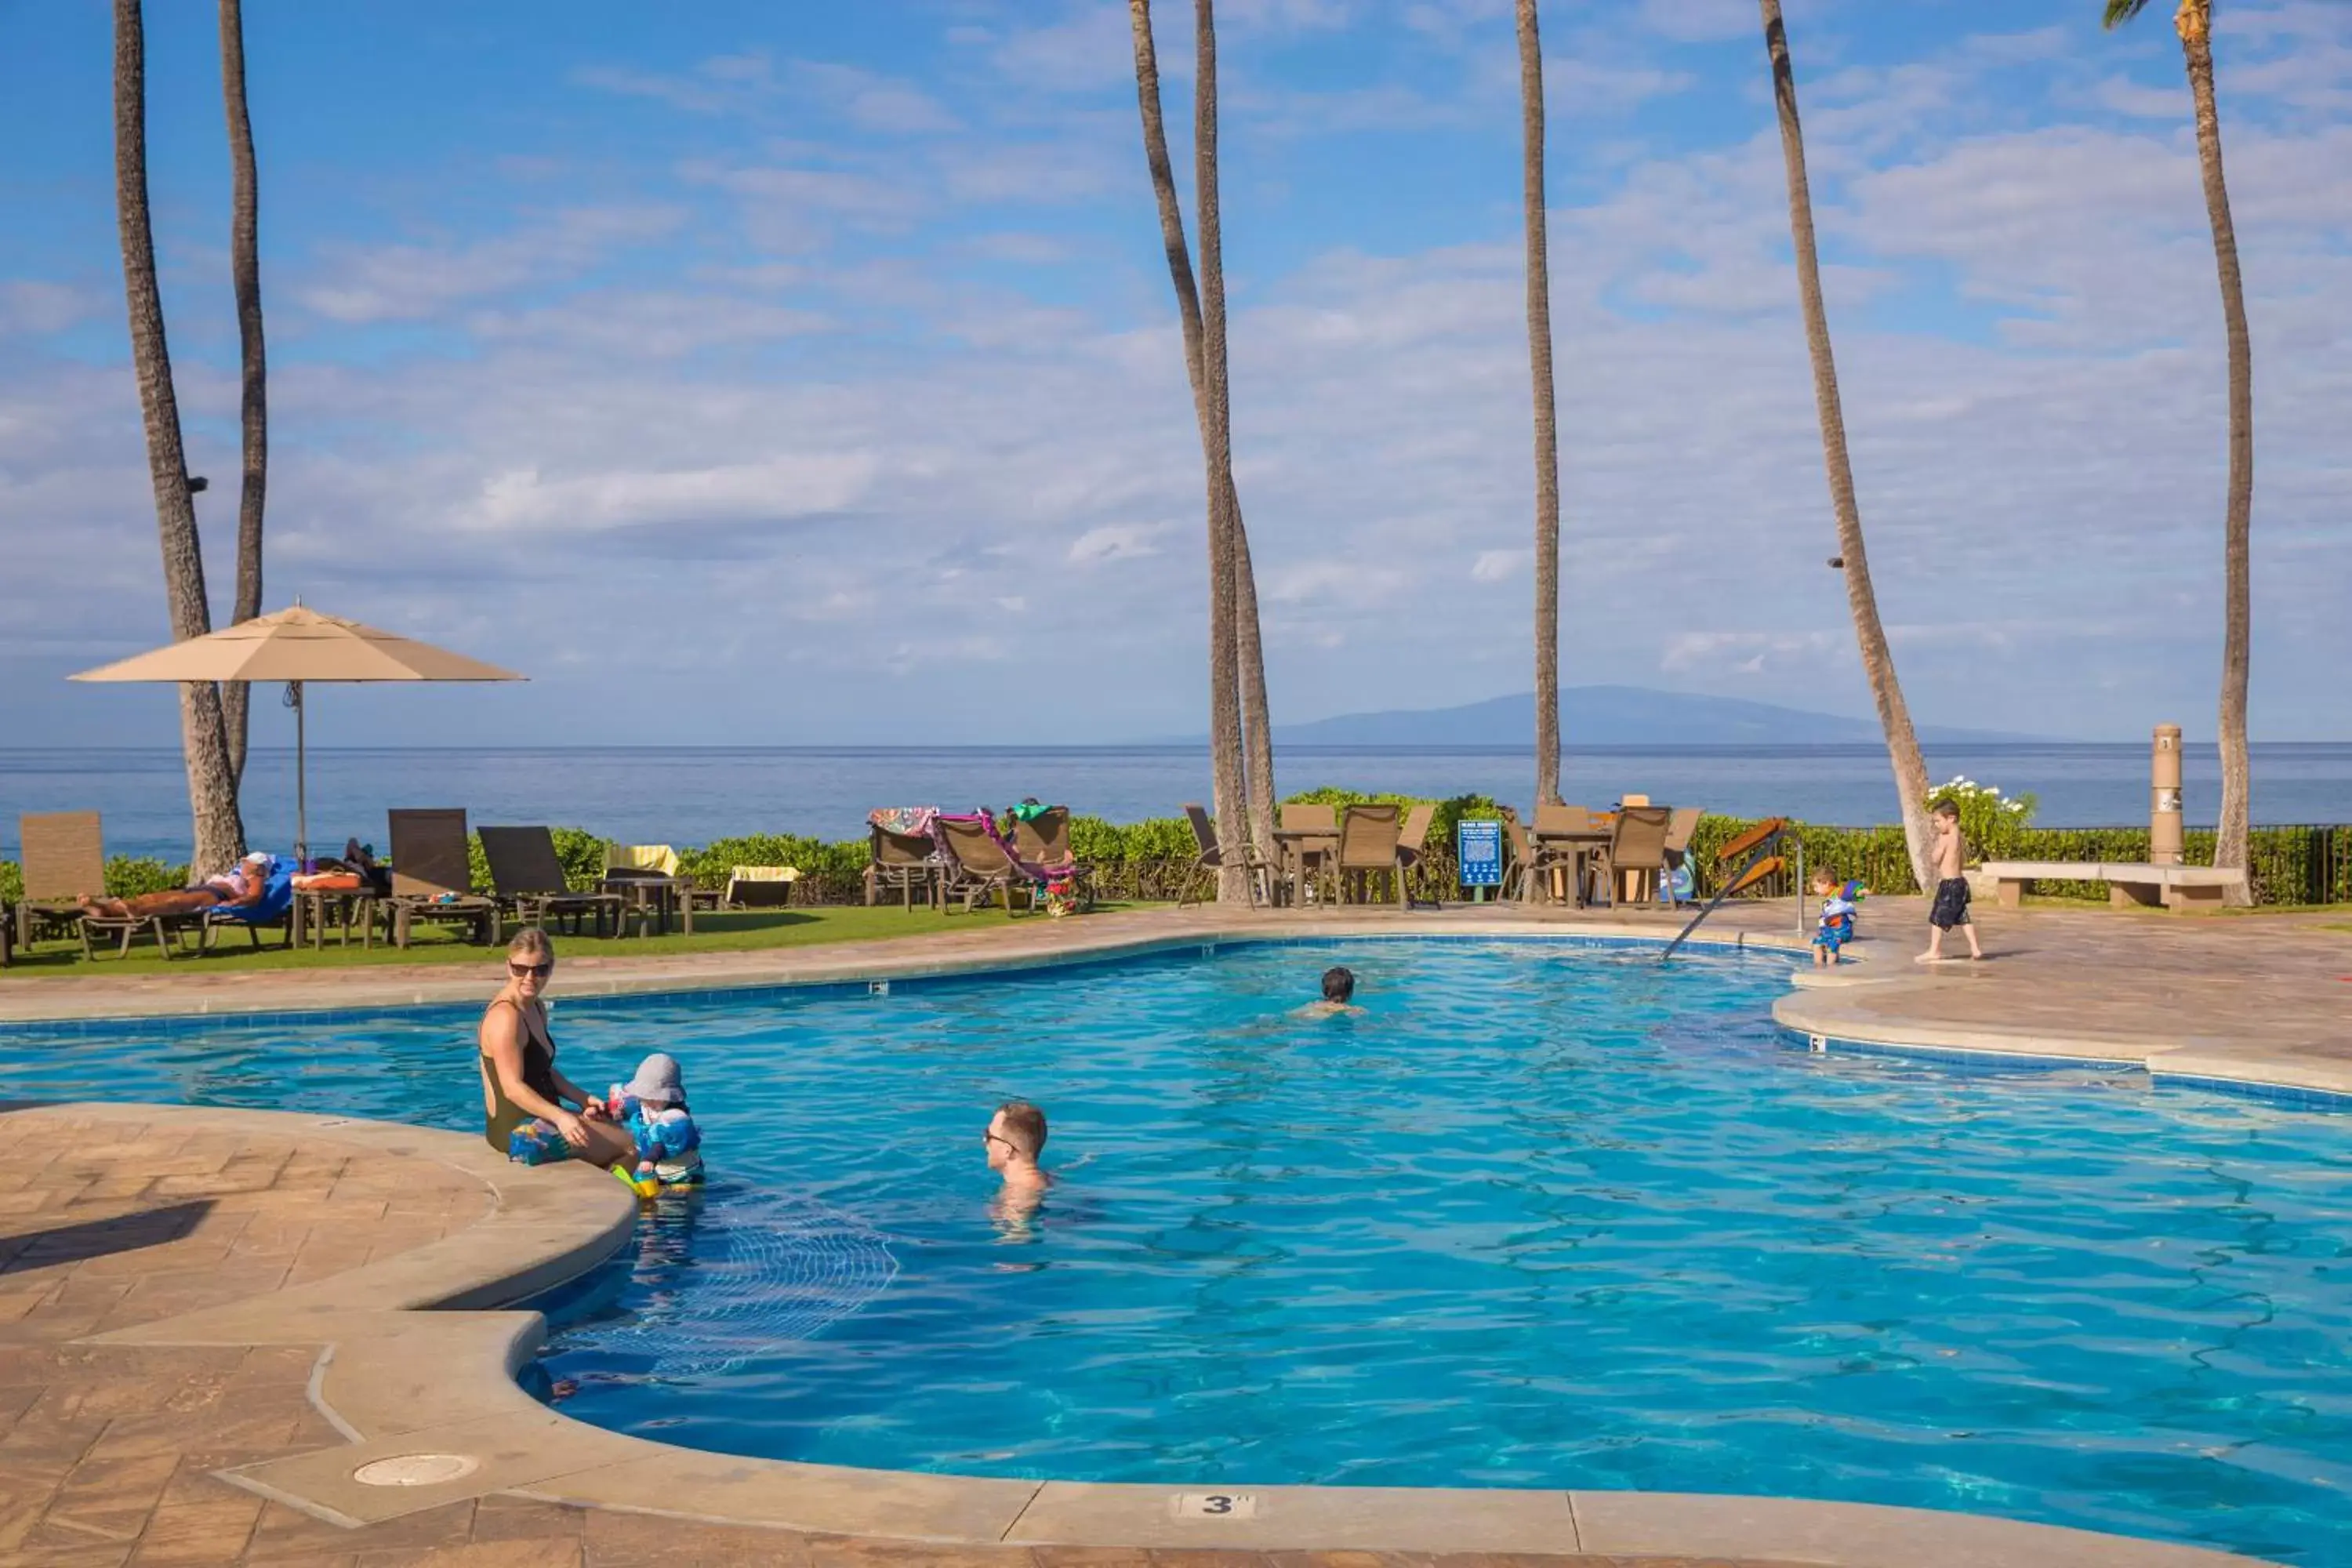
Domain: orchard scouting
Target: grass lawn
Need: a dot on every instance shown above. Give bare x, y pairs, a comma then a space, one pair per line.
730, 932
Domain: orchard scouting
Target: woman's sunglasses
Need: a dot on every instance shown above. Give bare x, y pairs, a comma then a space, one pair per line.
535, 971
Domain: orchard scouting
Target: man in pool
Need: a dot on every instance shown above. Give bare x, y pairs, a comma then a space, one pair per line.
1339, 996
1015, 1137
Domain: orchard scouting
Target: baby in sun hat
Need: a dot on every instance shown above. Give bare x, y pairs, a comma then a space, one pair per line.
652, 1107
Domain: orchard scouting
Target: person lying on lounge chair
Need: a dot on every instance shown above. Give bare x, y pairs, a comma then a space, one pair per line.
233, 889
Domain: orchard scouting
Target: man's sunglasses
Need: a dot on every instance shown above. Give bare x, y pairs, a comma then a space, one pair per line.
993, 1138
537, 971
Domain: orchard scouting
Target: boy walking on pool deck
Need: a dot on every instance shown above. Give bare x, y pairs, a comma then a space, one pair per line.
1951, 906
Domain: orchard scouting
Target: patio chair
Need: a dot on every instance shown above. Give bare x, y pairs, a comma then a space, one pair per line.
1368, 849
64, 858
1045, 840
1308, 861
433, 876
1413, 841
527, 876
761, 887
978, 863
275, 909
905, 861
1636, 849
1680, 888
1215, 856
1522, 856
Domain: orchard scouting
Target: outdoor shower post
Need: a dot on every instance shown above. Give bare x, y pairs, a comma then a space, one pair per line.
2164, 839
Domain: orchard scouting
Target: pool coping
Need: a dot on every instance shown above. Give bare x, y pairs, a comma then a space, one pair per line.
419, 1352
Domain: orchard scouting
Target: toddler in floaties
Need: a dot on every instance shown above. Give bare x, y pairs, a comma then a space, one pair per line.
652, 1107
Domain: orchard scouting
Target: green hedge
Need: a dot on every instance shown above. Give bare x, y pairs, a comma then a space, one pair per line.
1150, 859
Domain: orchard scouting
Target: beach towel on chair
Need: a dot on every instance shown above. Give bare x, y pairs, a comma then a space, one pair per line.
910, 821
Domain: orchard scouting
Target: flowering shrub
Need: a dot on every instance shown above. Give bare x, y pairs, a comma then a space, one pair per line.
1990, 822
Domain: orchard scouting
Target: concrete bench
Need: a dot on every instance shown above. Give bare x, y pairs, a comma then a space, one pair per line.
2128, 886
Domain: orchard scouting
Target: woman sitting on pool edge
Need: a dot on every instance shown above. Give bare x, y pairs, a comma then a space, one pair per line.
521, 1092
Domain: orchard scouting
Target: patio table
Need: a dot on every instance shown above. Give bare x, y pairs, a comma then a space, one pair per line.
1553, 850
1292, 847
317, 908
648, 893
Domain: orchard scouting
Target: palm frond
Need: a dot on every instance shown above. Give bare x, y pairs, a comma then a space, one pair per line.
2122, 11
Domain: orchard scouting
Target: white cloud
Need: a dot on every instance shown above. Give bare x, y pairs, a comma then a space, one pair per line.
1116, 542
415, 281
33, 306
780, 488
1501, 566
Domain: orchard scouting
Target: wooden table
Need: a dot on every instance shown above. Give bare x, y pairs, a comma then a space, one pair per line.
657, 895
1294, 844
312, 909
1575, 847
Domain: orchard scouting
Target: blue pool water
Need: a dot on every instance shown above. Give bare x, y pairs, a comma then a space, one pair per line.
1547, 1216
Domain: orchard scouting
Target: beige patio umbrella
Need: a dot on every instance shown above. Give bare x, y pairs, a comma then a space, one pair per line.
299, 646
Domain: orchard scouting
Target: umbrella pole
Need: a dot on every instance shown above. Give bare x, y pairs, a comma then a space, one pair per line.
302, 776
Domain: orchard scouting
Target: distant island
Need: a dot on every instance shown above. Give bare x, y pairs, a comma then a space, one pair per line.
1612, 716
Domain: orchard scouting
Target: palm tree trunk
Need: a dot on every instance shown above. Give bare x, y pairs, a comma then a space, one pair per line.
1227, 784
1877, 658
1257, 722
1249, 654
212, 787
245, 265
1531, 121
2194, 22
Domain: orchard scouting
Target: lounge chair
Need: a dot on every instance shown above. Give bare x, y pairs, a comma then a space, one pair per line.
1215, 856
905, 861
64, 858
1368, 849
761, 887
1680, 889
432, 877
1636, 848
275, 907
1043, 840
1413, 844
527, 876
979, 865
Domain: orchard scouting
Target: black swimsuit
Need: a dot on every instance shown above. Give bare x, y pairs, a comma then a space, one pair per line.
537, 1076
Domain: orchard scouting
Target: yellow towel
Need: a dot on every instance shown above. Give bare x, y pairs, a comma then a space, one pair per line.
656, 857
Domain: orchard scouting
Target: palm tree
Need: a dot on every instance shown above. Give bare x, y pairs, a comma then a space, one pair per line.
1531, 122
1877, 658
1249, 653
1228, 780
245, 264
2194, 22
212, 786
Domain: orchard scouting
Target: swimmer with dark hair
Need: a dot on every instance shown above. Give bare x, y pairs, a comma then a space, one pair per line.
1339, 996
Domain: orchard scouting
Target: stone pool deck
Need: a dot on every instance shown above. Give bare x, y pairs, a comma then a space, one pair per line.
211, 1321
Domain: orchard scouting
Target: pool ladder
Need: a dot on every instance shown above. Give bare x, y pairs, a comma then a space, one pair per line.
1761, 846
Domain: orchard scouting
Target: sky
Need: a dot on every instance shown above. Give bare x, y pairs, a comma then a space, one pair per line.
798, 373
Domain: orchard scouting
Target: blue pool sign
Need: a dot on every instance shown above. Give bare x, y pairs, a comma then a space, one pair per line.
1479, 846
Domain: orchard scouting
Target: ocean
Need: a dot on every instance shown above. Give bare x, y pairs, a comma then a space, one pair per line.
694, 794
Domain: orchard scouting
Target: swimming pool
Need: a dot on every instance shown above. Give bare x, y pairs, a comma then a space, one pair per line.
1547, 1216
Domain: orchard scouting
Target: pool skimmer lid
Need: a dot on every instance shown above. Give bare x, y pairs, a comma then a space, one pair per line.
416, 1470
